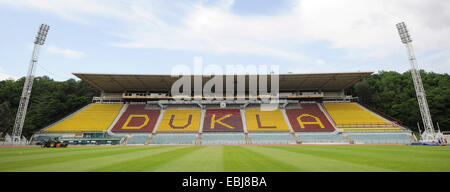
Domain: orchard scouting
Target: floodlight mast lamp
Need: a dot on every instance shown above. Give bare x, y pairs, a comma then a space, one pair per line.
26, 92
428, 135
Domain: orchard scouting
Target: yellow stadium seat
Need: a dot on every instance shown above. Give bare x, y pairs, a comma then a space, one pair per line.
95, 117
265, 121
352, 115
180, 120
392, 129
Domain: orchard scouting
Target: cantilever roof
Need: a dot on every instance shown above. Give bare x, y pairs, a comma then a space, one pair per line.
117, 83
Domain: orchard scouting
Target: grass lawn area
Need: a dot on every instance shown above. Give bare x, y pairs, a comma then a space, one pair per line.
295, 158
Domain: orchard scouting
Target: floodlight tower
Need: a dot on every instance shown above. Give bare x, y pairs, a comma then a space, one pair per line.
428, 135
26, 92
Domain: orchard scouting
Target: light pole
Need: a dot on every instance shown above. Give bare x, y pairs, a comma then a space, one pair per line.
428, 134
26, 92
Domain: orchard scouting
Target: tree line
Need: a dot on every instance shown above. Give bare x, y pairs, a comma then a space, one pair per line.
393, 93
390, 92
50, 101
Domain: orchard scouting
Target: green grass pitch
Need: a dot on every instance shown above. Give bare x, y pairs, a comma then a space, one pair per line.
227, 158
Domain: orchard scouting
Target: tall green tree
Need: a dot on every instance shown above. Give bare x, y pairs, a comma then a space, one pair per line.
50, 101
394, 94
5, 114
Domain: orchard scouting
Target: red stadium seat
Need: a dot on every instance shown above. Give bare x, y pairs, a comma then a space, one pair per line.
137, 119
223, 120
308, 119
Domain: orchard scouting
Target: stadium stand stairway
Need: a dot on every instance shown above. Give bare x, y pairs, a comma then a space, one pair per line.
158, 122
124, 108
124, 140
149, 139
198, 140
286, 119
413, 138
348, 139
327, 115
247, 139
202, 120
244, 121
297, 139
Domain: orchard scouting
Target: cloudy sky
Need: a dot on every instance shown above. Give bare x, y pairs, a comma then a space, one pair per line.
151, 37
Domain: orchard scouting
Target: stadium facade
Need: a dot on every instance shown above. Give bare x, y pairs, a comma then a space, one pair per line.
310, 109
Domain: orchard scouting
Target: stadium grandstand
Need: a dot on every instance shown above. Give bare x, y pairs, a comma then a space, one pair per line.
311, 109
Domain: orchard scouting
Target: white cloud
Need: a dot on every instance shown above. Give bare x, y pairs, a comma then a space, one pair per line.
5, 76
211, 29
74, 10
439, 61
370, 24
443, 66
320, 62
364, 29
67, 53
